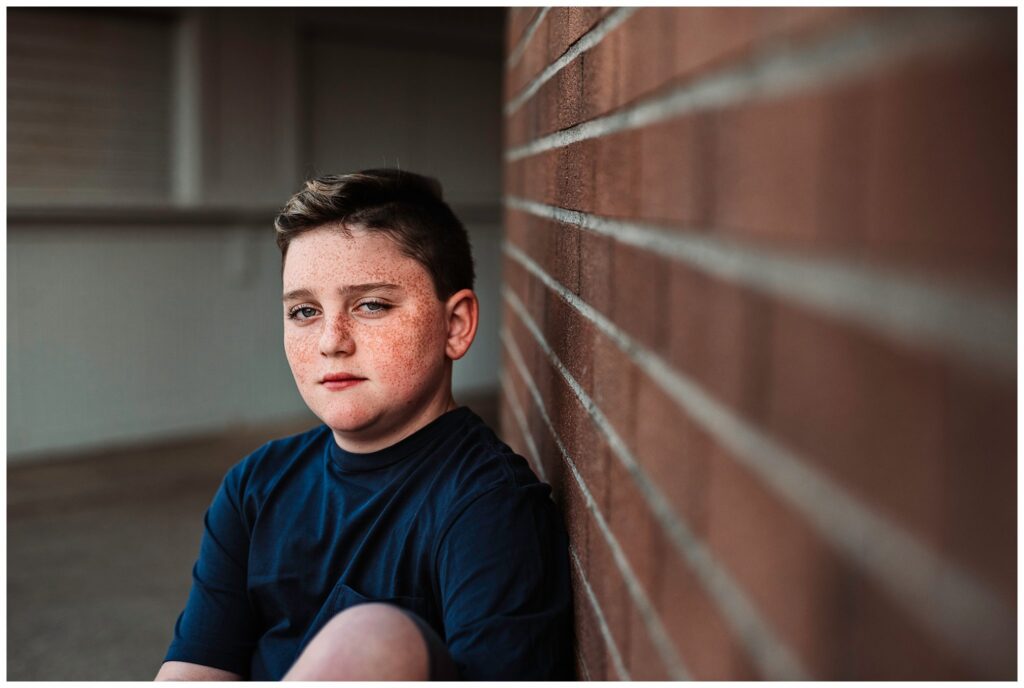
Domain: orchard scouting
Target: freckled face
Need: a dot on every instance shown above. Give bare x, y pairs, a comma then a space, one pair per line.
355, 305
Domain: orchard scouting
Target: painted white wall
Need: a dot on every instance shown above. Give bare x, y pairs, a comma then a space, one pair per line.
139, 333
127, 333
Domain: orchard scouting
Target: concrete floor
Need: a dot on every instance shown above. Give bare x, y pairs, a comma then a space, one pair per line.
100, 552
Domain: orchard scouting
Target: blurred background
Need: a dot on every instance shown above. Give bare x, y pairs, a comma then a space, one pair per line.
147, 153
748, 288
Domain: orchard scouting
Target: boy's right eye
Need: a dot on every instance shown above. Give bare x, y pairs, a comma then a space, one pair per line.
301, 312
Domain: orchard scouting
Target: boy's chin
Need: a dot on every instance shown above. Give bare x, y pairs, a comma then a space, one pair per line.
348, 420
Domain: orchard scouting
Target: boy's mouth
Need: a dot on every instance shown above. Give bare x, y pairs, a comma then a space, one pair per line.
340, 380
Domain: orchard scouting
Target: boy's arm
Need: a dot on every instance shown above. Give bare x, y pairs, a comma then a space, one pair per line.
186, 671
216, 633
503, 576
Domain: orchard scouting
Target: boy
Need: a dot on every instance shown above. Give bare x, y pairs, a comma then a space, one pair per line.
400, 540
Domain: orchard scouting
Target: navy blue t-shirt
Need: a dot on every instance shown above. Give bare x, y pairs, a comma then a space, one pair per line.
448, 523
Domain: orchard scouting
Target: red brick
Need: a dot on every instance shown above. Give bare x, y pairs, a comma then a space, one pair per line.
696, 627
614, 392
880, 645
803, 23
515, 389
610, 589
784, 568
578, 435
708, 37
599, 490
634, 525
577, 517
516, 21
600, 76
842, 182
672, 186
537, 300
595, 471
640, 295
674, 453
569, 88
941, 182
649, 43
551, 457
572, 339
866, 411
561, 256
517, 129
569, 24
516, 179
617, 174
767, 159
562, 406
981, 507
517, 228
643, 661
533, 60
513, 275
589, 640
595, 267
571, 182
716, 336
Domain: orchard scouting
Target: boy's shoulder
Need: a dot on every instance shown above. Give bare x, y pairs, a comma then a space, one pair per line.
483, 474
478, 458
266, 464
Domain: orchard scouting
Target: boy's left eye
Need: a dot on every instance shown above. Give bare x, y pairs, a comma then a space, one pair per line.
374, 306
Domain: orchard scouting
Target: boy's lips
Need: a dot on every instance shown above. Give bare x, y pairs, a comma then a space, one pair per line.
338, 381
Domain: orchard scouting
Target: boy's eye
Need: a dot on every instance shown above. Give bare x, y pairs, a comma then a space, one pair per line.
302, 312
374, 306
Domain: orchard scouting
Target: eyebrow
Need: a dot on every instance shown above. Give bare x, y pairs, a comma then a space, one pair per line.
304, 293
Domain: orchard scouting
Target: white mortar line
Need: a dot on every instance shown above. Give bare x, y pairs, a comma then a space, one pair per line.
775, 72
673, 662
945, 599
770, 655
977, 324
524, 430
609, 22
620, 669
517, 411
524, 40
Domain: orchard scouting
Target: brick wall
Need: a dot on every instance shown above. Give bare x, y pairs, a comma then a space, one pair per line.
759, 333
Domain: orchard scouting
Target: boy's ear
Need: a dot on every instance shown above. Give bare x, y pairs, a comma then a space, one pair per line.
462, 310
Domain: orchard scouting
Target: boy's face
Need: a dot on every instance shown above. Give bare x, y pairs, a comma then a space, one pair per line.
356, 306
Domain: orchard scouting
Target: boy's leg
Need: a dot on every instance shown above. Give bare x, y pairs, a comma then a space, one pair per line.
374, 641
442, 666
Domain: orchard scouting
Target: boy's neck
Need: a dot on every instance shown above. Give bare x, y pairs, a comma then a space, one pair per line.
366, 443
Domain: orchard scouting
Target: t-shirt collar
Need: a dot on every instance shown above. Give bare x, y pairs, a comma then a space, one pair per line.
353, 462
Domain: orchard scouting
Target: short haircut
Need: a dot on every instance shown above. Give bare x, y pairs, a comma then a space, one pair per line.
409, 207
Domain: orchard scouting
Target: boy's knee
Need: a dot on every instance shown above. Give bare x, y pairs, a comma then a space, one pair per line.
372, 641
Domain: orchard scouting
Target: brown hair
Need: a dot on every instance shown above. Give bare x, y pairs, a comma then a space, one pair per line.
408, 207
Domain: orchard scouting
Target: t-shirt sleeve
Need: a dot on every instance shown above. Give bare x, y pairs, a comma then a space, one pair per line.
217, 627
503, 573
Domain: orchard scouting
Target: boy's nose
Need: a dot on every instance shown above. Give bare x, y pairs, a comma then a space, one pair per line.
336, 337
